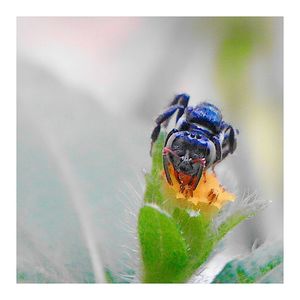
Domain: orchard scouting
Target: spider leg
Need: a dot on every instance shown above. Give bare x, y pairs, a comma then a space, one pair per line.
180, 105
167, 114
217, 143
154, 136
183, 125
198, 177
229, 143
232, 139
169, 134
180, 99
166, 163
183, 100
180, 102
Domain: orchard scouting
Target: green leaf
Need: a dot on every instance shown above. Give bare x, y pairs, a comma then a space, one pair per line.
256, 267
113, 277
164, 251
198, 235
229, 224
153, 193
274, 276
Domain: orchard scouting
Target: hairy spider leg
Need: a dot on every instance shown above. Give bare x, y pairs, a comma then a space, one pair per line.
166, 159
183, 125
232, 138
169, 135
199, 175
181, 99
166, 162
180, 103
229, 142
160, 119
219, 152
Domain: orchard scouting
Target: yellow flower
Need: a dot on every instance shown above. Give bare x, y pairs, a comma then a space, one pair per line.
208, 197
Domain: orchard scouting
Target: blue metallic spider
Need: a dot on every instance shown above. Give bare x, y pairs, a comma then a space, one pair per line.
200, 140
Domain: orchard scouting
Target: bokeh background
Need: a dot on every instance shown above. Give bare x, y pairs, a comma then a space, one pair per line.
88, 90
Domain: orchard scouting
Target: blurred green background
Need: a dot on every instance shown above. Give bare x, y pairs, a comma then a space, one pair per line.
88, 90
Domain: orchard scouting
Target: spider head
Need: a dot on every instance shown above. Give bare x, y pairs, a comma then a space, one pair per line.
189, 152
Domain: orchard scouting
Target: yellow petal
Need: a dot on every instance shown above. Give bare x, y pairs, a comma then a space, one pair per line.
209, 195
